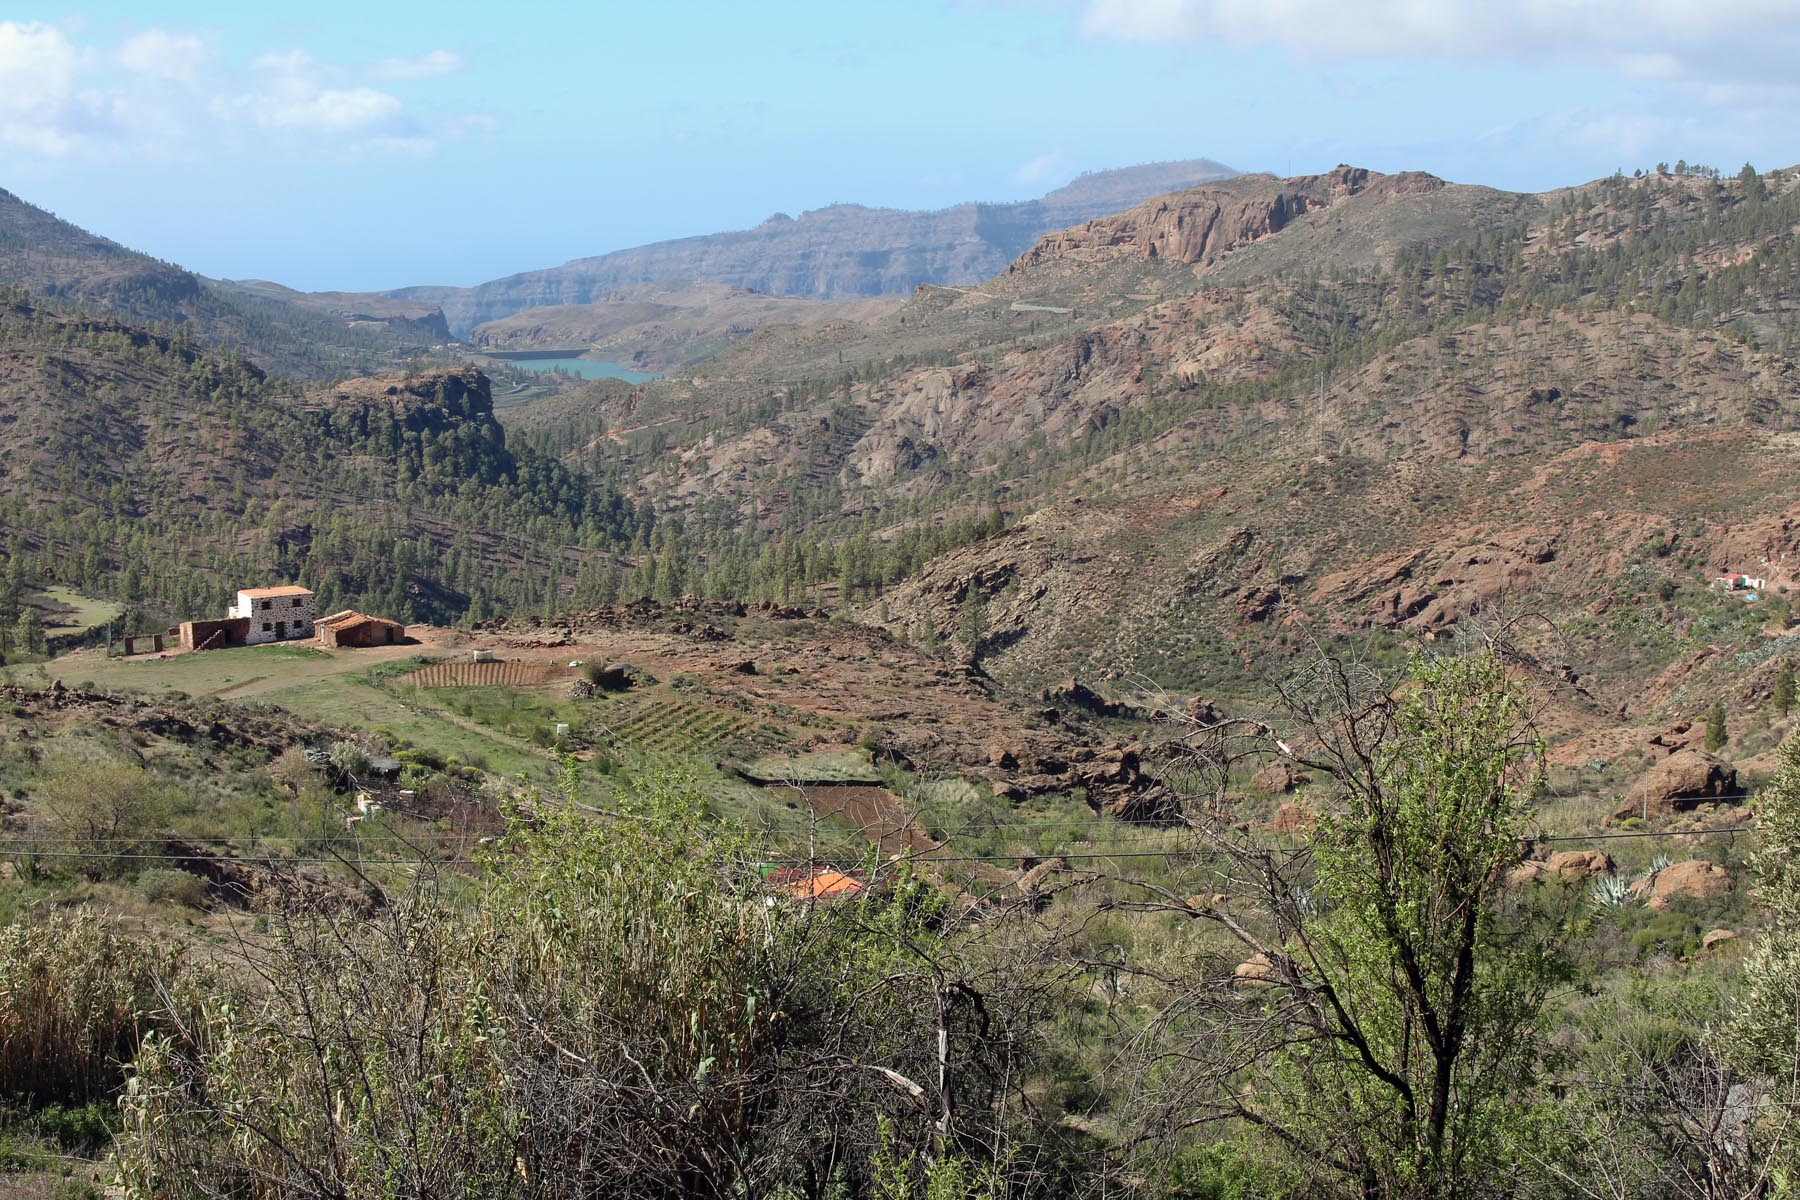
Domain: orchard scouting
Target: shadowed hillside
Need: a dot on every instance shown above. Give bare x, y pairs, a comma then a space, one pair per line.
148, 467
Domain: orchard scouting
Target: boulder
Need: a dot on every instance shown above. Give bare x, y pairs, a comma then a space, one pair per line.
1121, 771
1256, 603
1077, 694
614, 678
1202, 711
1153, 804
1695, 879
1679, 783
1680, 736
1714, 937
1255, 971
1276, 779
1527, 873
1293, 818
1580, 864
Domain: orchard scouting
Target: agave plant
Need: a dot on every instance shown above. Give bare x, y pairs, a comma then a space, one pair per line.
1611, 891
1306, 903
1658, 863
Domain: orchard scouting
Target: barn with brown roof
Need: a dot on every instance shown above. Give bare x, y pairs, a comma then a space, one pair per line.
351, 628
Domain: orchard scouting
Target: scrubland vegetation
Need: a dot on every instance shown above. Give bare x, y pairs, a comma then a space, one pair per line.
612, 1001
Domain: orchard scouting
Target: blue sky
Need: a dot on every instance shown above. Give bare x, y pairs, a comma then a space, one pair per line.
374, 145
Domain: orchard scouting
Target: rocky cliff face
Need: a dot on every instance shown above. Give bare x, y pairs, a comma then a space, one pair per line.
436, 402
1202, 224
842, 251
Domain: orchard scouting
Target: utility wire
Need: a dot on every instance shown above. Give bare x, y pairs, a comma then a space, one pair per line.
208, 855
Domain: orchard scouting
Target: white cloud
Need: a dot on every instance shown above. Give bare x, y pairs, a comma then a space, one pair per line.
162, 54
1717, 40
296, 92
38, 105
162, 94
333, 110
419, 66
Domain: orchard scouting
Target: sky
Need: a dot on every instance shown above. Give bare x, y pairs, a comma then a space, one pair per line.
375, 145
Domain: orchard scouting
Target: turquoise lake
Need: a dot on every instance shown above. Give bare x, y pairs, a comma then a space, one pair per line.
586, 368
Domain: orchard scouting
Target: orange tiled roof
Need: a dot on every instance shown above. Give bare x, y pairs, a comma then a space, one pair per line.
271, 592
824, 885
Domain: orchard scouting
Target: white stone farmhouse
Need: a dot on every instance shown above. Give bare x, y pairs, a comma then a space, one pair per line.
276, 614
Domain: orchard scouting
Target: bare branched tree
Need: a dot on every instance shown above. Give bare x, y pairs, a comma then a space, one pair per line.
1370, 1002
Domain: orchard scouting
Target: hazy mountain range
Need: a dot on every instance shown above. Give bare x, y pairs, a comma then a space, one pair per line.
846, 250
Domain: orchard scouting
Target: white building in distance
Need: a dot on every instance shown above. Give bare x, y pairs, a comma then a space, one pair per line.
276, 614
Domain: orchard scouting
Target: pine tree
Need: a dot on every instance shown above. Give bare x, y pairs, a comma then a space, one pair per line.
28, 633
1716, 735
1784, 689
971, 624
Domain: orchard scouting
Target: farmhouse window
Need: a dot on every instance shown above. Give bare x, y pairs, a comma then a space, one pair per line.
266, 627
268, 604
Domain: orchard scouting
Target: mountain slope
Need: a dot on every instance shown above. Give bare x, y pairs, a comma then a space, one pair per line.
1355, 408
842, 251
152, 469
281, 331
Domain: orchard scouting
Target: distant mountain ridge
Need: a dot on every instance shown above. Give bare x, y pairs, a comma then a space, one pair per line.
843, 251
306, 337
662, 326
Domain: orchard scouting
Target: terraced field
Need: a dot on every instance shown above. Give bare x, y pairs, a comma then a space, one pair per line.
512, 674
71, 614
658, 728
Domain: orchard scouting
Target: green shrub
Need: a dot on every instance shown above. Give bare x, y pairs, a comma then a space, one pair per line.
441, 1049
349, 759
161, 885
101, 805
80, 1129
1218, 1171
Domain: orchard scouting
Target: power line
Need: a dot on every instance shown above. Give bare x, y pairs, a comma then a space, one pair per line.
885, 828
1642, 833
263, 860
788, 859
